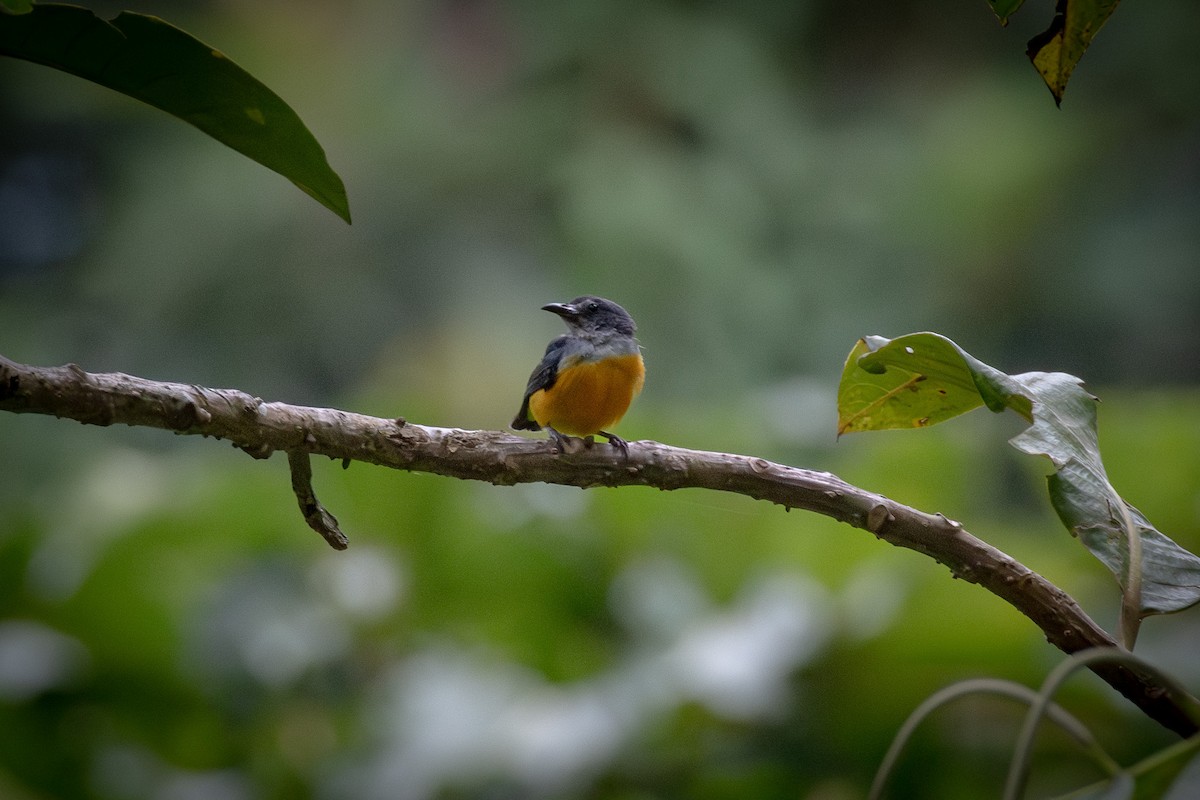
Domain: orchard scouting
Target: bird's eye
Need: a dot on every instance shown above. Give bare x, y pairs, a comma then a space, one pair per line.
593, 307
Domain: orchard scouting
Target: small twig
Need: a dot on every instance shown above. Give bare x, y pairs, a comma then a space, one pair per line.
504, 459
315, 514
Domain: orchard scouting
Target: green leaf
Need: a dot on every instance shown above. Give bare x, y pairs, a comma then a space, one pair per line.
1005, 8
16, 6
880, 393
157, 63
1057, 50
1177, 769
1119, 788
1170, 774
923, 378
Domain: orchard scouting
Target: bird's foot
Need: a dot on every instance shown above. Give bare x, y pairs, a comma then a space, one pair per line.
560, 441
617, 442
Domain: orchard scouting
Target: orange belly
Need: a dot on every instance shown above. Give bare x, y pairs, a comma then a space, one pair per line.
589, 397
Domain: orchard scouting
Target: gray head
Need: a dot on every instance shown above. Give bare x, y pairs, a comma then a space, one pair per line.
594, 315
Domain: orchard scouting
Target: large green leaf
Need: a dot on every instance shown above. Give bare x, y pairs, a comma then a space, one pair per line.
157, 63
16, 6
923, 378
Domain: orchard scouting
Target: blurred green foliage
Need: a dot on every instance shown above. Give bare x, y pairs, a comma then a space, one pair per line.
759, 185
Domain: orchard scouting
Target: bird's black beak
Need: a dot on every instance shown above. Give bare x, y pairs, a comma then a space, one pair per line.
564, 310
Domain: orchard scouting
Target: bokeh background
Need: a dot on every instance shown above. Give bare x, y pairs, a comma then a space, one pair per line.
759, 184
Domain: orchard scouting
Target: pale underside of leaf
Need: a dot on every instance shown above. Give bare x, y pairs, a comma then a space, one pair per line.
924, 378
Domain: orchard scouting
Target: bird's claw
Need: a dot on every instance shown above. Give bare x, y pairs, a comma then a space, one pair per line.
617, 442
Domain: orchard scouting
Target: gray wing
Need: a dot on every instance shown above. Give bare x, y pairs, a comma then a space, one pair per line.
543, 377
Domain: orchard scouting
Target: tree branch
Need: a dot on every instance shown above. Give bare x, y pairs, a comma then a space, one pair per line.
315, 514
260, 428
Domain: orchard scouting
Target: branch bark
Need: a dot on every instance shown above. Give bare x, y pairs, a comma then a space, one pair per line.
260, 428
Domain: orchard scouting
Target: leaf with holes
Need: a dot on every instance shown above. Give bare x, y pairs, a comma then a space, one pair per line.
924, 378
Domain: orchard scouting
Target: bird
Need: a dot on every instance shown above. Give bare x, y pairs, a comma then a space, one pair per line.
587, 377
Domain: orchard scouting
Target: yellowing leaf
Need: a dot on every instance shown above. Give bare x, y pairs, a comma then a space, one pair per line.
1057, 50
